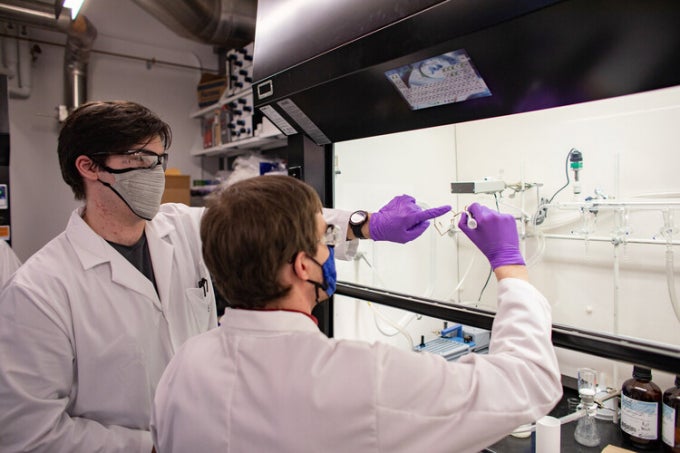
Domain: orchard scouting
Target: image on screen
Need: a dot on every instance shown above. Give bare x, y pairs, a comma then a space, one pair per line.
444, 79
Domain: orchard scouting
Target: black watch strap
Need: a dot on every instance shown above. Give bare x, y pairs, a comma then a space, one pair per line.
356, 229
357, 226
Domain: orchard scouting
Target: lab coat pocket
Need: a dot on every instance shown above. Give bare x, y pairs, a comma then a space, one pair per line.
200, 306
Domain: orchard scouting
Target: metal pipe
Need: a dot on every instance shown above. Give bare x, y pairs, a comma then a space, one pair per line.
614, 204
150, 61
36, 14
615, 240
16, 61
81, 35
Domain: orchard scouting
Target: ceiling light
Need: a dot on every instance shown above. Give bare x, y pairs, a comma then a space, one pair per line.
74, 5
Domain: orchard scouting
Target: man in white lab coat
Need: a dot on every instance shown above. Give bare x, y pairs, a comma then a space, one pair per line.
90, 321
9, 262
267, 381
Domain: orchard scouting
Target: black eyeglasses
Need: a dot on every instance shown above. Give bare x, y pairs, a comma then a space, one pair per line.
137, 158
332, 236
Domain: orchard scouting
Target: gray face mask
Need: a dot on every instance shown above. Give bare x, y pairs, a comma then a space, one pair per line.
140, 188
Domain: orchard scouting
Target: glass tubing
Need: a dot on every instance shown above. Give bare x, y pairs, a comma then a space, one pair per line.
623, 208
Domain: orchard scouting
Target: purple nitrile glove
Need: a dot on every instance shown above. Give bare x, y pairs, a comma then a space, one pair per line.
496, 235
402, 220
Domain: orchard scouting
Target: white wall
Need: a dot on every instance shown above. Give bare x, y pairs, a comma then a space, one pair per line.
629, 147
41, 201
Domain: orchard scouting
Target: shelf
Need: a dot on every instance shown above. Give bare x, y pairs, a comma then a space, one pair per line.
223, 100
270, 137
259, 143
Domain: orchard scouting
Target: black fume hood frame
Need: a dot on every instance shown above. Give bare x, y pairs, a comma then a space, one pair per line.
632, 350
532, 54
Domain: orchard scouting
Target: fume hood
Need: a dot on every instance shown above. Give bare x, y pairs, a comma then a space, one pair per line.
339, 71
344, 70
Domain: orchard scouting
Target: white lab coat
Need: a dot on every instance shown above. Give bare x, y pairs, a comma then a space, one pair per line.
268, 381
84, 337
8, 262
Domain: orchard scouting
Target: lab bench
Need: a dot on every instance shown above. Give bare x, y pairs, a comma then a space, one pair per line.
610, 434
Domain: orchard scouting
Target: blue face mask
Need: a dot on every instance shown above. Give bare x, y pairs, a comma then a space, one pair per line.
330, 275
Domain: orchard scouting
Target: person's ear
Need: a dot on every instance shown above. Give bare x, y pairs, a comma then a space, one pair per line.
86, 167
301, 265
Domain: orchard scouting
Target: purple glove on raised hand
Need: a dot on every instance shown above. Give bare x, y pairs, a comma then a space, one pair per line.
496, 235
402, 220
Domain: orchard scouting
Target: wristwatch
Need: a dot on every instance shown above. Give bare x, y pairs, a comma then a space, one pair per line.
357, 221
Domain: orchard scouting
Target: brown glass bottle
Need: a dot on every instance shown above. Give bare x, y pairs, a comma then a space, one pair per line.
670, 425
641, 410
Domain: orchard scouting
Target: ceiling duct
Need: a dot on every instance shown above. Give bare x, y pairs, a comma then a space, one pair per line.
355, 68
80, 37
224, 23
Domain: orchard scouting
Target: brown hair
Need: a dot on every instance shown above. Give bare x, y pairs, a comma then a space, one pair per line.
105, 127
253, 228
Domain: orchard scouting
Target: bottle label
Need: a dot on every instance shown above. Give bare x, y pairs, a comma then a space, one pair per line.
639, 418
668, 425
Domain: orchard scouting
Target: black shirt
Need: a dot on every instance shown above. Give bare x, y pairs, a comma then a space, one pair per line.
138, 255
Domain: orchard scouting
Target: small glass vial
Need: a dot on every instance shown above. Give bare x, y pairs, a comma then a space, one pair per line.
670, 422
640, 410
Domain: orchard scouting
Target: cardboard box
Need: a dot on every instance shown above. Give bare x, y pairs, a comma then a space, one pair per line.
177, 189
613, 449
210, 89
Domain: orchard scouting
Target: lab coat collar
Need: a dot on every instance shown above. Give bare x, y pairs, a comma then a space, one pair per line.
310, 316
269, 321
90, 248
160, 226
161, 249
93, 250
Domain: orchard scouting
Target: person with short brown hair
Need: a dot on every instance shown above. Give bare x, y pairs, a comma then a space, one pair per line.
267, 380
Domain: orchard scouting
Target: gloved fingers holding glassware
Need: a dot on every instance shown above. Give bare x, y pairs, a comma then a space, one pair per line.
495, 234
